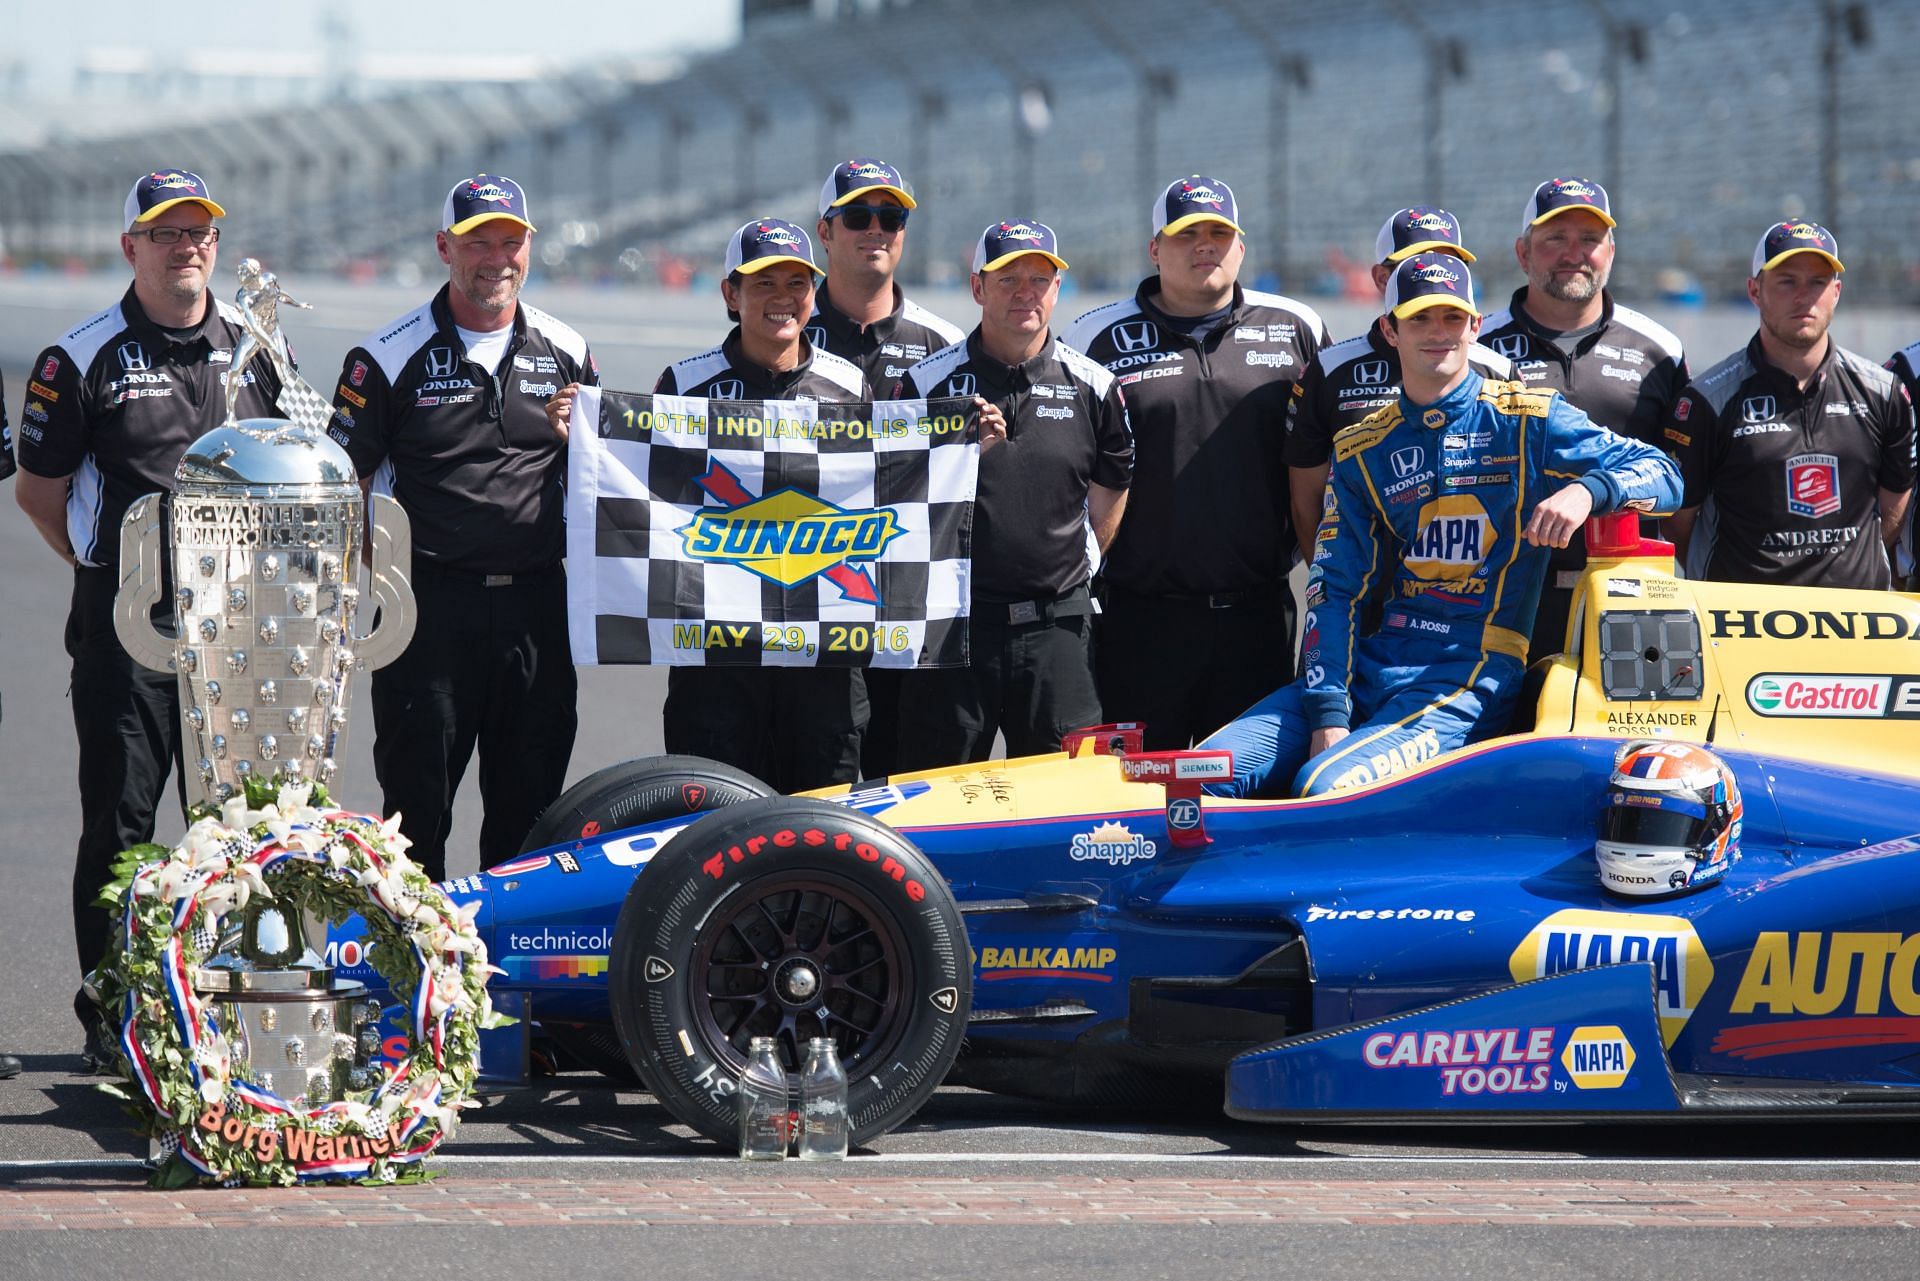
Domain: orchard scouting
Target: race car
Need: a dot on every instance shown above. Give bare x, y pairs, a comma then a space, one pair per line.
1089, 926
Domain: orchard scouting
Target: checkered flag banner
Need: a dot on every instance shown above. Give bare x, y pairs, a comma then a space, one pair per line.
775, 533
302, 404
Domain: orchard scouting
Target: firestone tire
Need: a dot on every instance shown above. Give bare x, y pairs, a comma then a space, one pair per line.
627, 795
790, 918
640, 791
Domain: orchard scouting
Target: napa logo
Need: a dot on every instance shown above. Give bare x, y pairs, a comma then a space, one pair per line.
1452, 534
789, 536
1598, 1058
1576, 939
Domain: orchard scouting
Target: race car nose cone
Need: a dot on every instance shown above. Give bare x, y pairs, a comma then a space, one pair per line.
797, 981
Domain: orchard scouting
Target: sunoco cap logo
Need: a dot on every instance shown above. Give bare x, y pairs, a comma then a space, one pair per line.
789, 536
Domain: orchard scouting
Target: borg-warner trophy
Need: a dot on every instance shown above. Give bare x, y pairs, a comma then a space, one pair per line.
262, 548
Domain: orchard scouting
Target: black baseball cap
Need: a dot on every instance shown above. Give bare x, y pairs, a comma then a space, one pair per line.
852, 179
761, 243
1785, 239
483, 198
1421, 229
1002, 242
1556, 196
1194, 199
161, 190
1430, 280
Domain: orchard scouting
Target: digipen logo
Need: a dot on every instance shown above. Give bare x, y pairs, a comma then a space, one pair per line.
789, 536
1512, 346
1371, 373
133, 357
727, 389
1407, 461
1757, 409
959, 385
440, 362
1136, 335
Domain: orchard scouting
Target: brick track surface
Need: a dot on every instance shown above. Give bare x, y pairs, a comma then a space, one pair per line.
839, 1200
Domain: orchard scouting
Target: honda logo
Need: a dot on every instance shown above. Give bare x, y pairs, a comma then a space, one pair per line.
1407, 461
959, 385
440, 362
727, 389
1757, 409
1512, 346
1371, 373
1136, 335
817, 335
133, 357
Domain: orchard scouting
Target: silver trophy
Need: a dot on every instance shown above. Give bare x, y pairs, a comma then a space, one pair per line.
264, 530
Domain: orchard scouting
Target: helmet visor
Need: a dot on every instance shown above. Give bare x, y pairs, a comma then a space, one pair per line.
1630, 820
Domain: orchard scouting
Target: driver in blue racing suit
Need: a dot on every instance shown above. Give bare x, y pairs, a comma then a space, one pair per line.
1457, 490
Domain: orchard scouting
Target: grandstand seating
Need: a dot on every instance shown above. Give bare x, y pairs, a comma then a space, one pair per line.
1721, 123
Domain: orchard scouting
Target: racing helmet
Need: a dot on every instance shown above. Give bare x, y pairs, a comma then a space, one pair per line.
1672, 822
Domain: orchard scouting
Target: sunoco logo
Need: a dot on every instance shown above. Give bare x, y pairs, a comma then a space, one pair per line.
1772, 694
789, 536
1575, 939
1111, 843
1598, 1058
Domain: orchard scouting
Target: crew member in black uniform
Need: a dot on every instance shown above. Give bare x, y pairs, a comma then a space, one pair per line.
9, 1065
109, 410
1905, 366
1199, 618
860, 314
794, 728
445, 408
1056, 457
1563, 331
1349, 380
1798, 456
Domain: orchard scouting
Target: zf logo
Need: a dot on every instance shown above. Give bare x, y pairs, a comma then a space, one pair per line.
727, 389
133, 357
1512, 346
1757, 409
1370, 373
959, 385
1137, 335
440, 362
1407, 461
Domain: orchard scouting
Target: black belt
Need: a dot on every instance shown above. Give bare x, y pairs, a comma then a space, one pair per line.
1073, 604
518, 579
1211, 600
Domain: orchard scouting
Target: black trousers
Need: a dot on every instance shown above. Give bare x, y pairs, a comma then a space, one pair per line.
127, 719
880, 745
793, 728
1187, 666
1032, 682
487, 667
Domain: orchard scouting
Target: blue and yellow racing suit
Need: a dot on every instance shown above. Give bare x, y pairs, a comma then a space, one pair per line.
1437, 496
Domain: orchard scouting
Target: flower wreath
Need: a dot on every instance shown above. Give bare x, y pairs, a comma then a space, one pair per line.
210, 1124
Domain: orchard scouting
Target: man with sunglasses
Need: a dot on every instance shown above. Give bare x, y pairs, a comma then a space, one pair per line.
445, 408
860, 314
109, 409
1199, 616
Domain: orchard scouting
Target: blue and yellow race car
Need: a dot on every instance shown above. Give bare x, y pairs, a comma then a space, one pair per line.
1090, 927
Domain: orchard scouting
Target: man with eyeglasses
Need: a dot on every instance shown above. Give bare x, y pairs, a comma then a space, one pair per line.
108, 411
860, 314
445, 408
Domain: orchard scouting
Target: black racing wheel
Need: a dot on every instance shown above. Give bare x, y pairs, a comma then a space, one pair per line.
791, 918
